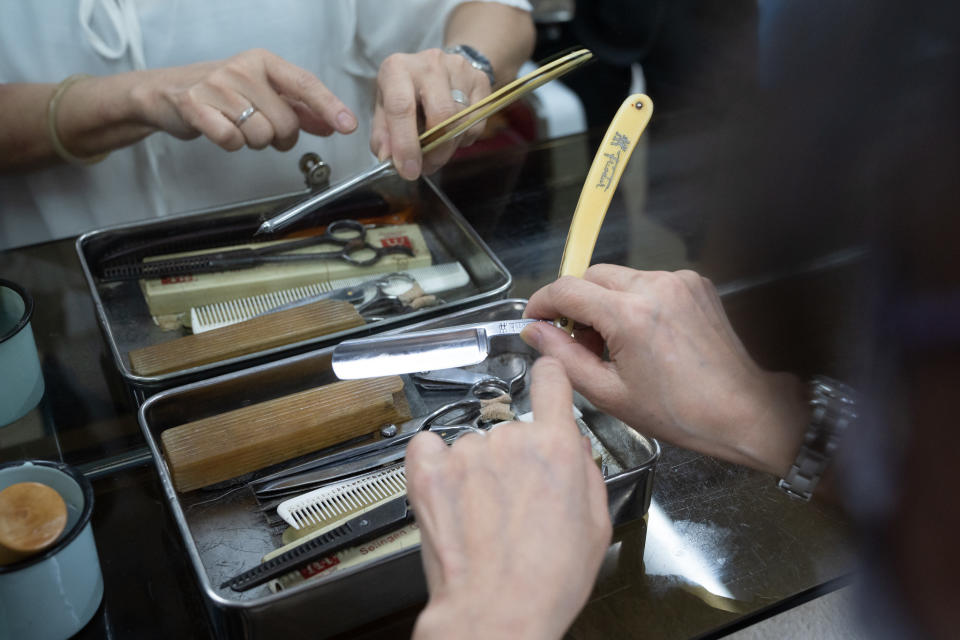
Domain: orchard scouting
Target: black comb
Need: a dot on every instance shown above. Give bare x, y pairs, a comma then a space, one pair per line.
354, 531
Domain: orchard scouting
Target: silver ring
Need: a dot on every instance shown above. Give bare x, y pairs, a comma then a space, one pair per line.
458, 96
249, 111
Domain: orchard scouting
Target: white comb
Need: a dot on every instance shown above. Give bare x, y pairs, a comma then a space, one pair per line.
432, 279
340, 499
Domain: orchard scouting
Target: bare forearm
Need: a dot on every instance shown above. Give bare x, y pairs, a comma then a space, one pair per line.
100, 114
94, 115
503, 34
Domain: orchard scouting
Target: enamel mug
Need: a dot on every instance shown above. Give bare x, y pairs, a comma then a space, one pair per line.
52, 595
21, 381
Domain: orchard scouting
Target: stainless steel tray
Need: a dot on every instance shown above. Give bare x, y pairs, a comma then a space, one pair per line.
127, 324
224, 534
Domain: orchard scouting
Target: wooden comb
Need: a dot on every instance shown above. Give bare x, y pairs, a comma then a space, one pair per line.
230, 444
256, 334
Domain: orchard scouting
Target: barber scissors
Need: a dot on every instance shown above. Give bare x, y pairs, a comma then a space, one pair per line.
450, 422
349, 236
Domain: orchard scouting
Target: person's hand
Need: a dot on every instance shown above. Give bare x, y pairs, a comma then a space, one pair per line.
514, 522
414, 93
676, 369
209, 98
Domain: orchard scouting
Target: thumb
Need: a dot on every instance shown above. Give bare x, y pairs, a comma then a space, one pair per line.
589, 374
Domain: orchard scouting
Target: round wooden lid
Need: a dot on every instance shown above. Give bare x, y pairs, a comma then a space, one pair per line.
32, 517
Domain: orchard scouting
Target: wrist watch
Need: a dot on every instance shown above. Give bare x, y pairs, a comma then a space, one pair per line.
834, 406
476, 59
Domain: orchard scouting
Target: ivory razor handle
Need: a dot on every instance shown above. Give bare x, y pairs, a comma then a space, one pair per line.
618, 144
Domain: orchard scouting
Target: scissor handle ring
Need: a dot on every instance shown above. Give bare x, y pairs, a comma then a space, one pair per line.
489, 388
348, 230
469, 410
393, 279
356, 245
380, 290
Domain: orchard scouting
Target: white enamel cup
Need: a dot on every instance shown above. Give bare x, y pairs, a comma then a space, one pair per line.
52, 595
21, 381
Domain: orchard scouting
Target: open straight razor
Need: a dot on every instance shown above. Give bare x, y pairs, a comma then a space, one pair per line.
420, 350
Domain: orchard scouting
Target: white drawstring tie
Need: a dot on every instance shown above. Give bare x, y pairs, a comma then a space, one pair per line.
122, 16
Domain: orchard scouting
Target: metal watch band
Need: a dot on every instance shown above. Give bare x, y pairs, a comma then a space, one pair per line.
476, 59
834, 407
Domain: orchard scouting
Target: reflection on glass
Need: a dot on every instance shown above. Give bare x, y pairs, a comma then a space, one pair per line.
672, 550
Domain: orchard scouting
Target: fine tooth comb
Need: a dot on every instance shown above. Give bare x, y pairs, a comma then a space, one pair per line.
433, 279
324, 505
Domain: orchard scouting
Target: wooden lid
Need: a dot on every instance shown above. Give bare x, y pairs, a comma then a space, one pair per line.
32, 517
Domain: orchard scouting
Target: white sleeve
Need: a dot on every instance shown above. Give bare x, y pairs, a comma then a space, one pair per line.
408, 26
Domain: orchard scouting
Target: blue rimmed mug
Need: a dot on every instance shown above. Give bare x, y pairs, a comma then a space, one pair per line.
54, 594
21, 381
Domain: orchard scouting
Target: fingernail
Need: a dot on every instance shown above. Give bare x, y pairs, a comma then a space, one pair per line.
411, 169
531, 335
346, 121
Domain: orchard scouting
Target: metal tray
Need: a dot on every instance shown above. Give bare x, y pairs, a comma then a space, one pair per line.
127, 324
224, 534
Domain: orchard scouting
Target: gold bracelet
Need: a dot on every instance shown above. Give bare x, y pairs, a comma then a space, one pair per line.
52, 108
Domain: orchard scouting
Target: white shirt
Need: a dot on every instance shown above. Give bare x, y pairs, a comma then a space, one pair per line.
342, 41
